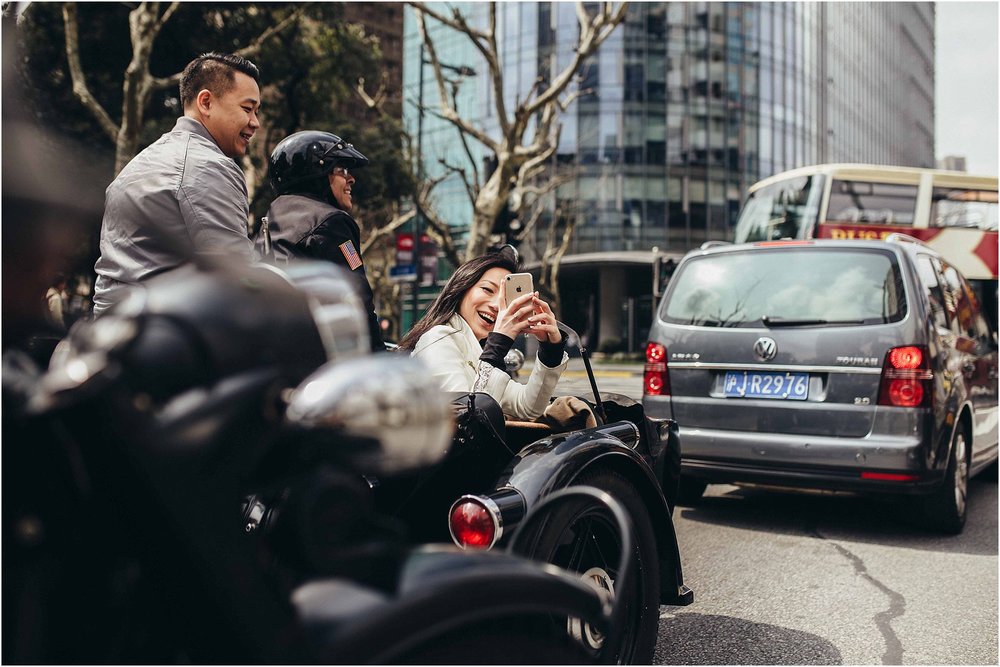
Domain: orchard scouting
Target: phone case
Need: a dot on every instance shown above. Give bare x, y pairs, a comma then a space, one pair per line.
517, 284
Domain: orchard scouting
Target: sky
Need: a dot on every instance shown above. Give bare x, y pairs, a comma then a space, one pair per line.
966, 101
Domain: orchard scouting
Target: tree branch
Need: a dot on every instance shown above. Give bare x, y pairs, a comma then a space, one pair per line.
457, 23
593, 32
448, 112
380, 233
160, 83
471, 191
254, 47
167, 14
80, 88
380, 95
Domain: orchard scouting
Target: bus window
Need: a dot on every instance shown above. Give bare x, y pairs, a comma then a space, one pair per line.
954, 207
784, 210
871, 203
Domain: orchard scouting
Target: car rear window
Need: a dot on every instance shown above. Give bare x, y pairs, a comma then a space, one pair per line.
787, 286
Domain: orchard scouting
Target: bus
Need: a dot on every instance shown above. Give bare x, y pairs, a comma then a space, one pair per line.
953, 212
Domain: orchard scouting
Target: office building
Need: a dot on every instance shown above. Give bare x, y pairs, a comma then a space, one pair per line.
692, 102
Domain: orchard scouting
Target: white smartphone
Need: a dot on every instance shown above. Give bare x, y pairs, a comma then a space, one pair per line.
517, 284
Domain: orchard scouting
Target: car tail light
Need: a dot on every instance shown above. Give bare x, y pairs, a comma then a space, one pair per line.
473, 523
655, 381
907, 380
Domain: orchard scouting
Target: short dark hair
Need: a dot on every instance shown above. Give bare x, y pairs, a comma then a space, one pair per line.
464, 279
214, 71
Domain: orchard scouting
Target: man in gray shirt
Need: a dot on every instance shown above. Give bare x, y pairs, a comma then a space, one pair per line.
185, 193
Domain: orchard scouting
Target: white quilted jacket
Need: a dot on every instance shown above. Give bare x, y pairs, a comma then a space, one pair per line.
451, 351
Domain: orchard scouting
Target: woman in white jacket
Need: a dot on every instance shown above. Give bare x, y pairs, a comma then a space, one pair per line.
469, 328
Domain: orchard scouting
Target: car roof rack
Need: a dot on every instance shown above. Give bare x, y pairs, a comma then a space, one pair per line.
899, 237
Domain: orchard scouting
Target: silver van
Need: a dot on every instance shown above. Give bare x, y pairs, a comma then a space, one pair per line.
845, 365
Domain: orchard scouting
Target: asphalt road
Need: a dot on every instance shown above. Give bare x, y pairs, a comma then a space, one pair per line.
783, 577
794, 578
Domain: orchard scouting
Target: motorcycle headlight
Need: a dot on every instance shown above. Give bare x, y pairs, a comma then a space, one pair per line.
388, 399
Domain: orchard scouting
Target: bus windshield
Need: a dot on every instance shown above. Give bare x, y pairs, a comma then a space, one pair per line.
784, 210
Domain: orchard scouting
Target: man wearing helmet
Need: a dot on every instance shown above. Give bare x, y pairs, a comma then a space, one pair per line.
312, 173
185, 193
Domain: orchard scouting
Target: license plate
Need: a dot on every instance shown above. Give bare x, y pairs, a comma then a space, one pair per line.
766, 384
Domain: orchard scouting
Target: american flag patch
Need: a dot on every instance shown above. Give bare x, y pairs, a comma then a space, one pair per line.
350, 254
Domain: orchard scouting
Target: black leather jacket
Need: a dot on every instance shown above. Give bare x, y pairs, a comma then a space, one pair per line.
309, 227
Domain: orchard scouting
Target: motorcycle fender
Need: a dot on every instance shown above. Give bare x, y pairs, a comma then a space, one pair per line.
442, 589
558, 461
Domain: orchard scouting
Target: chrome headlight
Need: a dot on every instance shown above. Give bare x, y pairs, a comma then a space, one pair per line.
392, 400
339, 314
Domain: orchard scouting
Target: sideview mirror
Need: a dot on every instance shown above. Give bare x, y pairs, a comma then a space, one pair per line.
514, 360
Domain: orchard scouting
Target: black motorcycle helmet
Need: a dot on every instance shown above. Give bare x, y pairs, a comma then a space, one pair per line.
301, 162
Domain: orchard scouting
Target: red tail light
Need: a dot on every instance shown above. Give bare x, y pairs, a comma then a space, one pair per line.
472, 523
655, 381
907, 380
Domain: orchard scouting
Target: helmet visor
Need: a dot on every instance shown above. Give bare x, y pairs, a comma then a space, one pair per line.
345, 155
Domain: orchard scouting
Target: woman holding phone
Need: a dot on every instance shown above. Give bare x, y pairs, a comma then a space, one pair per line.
470, 327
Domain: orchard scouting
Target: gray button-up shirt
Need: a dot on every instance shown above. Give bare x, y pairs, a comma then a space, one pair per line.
180, 196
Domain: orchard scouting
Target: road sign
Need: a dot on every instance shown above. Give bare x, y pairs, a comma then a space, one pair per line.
403, 273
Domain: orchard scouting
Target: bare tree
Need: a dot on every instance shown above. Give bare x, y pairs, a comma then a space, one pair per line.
528, 133
145, 23
422, 202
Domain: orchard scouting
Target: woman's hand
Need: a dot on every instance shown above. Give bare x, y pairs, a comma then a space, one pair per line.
515, 318
543, 321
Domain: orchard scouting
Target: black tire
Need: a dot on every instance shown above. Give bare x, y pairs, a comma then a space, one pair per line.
690, 491
581, 536
945, 509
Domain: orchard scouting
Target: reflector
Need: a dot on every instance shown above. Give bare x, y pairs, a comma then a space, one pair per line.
889, 476
472, 525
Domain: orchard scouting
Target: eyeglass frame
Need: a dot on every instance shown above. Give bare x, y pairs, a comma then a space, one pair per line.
341, 171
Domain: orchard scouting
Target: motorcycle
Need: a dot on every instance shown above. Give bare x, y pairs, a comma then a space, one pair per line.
133, 449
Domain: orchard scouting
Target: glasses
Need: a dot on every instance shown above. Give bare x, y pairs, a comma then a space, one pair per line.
341, 171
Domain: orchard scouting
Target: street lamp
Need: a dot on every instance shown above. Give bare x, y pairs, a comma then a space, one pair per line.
461, 70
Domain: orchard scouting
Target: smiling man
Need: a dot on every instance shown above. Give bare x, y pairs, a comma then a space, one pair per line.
185, 193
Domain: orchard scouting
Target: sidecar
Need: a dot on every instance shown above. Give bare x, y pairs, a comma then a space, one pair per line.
498, 471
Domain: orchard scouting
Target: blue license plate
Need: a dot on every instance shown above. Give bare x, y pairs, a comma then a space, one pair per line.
767, 384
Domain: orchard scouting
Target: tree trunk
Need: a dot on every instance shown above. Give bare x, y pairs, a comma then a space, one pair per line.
143, 26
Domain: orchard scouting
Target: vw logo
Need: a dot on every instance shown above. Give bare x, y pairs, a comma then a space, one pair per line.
765, 348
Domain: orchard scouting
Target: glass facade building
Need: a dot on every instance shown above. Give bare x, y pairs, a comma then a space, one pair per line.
692, 102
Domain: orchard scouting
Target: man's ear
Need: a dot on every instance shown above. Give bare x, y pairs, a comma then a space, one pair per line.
203, 101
